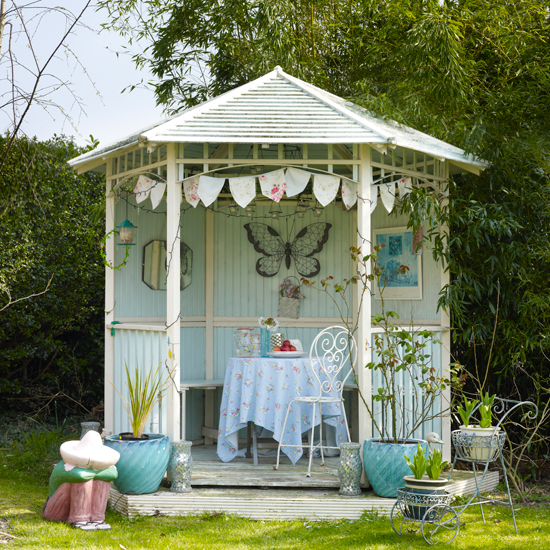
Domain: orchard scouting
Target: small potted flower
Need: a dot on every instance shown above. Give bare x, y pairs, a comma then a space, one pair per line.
289, 302
425, 480
486, 443
267, 325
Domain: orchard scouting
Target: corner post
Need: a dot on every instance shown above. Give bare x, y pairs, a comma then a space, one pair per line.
445, 321
174, 429
364, 331
110, 248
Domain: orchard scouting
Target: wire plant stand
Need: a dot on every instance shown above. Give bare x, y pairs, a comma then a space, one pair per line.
432, 514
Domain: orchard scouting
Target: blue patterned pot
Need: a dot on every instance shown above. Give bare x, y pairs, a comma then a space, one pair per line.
142, 463
385, 464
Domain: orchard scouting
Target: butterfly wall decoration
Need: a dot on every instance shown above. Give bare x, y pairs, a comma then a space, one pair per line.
309, 241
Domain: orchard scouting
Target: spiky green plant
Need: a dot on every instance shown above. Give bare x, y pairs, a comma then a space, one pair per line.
145, 393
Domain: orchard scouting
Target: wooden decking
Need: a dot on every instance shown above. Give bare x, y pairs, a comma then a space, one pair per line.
263, 493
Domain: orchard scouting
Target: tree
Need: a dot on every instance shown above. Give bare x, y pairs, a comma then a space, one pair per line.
51, 344
471, 72
27, 65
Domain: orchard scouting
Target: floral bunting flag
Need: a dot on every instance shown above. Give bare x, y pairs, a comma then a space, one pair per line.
243, 190
349, 193
296, 181
387, 194
209, 189
325, 188
157, 192
273, 184
142, 188
405, 187
191, 190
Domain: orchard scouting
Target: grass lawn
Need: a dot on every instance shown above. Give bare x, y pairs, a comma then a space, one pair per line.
26, 463
22, 496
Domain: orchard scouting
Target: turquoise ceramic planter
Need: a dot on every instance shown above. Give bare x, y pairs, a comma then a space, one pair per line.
385, 464
142, 464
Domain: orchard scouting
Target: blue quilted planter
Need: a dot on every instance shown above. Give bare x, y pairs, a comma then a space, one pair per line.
142, 464
385, 464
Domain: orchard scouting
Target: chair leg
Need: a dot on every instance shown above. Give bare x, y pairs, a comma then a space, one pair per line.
276, 467
255, 444
321, 433
311, 441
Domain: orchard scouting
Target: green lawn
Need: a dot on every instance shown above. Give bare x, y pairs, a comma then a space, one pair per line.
22, 496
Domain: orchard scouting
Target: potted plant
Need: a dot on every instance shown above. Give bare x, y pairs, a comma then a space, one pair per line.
486, 443
424, 481
143, 457
400, 359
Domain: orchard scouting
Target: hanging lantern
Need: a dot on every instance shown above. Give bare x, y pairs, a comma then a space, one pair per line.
233, 207
318, 210
275, 211
126, 232
302, 208
250, 209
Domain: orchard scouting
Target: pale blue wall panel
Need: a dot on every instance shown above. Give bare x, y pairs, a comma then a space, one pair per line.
133, 297
240, 291
426, 308
145, 349
193, 235
192, 353
409, 395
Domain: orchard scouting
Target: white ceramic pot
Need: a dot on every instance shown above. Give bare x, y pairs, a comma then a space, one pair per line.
487, 446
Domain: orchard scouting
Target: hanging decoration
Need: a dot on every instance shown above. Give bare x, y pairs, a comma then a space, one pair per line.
209, 189
266, 240
405, 187
325, 188
191, 191
142, 188
296, 181
387, 194
156, 193
349, 194
373, 198
243, 190
273, 184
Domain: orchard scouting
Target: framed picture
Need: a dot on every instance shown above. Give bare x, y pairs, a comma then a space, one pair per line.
397, 252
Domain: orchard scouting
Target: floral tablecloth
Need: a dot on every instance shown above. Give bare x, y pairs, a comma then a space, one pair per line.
259, 389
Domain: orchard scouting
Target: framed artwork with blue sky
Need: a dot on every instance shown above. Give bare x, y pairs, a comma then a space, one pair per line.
397, 251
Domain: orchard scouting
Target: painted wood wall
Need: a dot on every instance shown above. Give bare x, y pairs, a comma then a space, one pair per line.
239, 291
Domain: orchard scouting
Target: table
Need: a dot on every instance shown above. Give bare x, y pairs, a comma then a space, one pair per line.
259, 389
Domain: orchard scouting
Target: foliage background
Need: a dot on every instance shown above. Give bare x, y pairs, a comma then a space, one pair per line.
475, 73
51, 349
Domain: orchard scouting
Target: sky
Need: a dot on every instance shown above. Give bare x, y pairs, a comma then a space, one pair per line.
96, 75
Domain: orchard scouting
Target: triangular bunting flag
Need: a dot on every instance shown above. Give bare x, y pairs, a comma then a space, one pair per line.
209, 189
325, 188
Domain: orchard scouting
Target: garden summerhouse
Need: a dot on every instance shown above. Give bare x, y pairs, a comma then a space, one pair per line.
204, 187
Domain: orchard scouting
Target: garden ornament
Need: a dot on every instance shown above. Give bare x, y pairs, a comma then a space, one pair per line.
432, 437
80, 483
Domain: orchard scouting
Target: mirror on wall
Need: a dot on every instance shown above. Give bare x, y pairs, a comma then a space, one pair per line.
155, 263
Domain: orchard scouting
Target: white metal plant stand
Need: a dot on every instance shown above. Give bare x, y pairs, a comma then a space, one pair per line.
432, 514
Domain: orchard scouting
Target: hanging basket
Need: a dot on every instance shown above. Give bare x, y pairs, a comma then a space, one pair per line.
290, 306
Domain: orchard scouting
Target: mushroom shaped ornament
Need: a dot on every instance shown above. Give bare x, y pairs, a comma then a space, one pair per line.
80, 483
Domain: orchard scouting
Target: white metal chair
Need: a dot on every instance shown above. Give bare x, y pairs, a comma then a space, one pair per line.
332, 348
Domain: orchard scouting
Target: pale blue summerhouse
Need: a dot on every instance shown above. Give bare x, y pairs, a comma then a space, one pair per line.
191, 276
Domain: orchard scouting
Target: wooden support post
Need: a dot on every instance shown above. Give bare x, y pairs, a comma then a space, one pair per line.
209, 336
174, 429
110, 247
445, 338
364, 332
